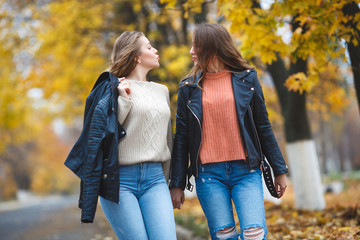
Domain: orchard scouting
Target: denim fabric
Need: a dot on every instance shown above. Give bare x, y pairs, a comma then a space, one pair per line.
145, 209
219, 183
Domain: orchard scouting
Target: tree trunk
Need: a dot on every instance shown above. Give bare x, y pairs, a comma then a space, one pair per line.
184, 25
305, 174
351, 10
300, 148
201, 17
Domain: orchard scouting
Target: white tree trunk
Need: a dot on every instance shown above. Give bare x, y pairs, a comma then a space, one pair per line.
305, 175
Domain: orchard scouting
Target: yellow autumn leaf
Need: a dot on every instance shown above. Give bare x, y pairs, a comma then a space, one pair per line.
295, 214
345, 229
296, 81
170, 3
319, 237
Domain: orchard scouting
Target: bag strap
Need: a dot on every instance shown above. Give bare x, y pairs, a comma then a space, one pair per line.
266, 169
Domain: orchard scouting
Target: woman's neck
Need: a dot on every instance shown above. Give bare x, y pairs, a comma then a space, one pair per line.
137, 74
215, 66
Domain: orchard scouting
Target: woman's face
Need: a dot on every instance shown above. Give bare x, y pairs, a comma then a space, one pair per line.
148, 57
193, 53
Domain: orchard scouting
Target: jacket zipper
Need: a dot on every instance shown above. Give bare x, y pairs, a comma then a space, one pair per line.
257, 136
197, 156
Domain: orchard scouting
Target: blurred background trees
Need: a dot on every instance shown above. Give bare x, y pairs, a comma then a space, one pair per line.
306, 53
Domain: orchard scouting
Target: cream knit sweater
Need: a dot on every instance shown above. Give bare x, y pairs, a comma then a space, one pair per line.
146, 119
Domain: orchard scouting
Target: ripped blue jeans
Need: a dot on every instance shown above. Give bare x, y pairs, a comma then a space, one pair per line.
219, 183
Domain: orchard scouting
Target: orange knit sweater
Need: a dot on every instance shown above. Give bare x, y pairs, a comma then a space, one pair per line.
221, 139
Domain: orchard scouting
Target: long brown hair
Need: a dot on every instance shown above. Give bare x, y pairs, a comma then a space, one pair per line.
124, 54
213, 40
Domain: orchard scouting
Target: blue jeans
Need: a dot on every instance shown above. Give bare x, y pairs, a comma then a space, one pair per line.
219, 183
145, 210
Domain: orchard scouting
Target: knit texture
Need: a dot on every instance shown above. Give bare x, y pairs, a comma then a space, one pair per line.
146, 119
221, 139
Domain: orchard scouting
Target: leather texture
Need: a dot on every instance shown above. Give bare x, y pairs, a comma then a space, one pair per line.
254, 124
94, 157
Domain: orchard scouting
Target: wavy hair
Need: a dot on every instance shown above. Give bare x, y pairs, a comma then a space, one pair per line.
213, 40
125, 51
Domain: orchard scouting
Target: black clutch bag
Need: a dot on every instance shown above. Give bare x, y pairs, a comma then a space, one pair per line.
268, 178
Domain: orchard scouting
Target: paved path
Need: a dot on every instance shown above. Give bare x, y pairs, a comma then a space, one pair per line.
50, 218
56, 218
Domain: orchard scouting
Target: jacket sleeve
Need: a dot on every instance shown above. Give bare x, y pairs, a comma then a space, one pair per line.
267, 139
76, 157
180, 153
93, 168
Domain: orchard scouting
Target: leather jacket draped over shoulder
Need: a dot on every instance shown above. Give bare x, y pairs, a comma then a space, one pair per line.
94, 157
255, 128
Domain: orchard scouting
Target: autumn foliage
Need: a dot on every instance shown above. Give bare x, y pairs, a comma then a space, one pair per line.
48, 173
53, 51
339, 221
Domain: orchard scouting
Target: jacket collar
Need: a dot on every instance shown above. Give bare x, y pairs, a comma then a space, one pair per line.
189, 81
195, 102
235, 74
114, 82
101, 78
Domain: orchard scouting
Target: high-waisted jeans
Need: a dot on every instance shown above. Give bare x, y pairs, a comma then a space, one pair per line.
219, 183
145, 210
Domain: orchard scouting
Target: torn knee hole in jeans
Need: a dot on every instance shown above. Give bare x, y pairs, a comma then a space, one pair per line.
226, 233
254, 233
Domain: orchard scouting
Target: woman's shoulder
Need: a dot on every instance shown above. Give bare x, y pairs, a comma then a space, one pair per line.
188, 81
185, 81
246, 74
243, 71
160, 86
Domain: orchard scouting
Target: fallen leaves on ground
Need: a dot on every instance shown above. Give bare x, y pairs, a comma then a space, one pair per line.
340, 220
285, 222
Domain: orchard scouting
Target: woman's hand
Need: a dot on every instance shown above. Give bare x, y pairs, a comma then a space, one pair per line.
280, 184
124, 88
177, 197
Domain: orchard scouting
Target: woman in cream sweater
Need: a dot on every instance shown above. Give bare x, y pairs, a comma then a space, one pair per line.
145, 209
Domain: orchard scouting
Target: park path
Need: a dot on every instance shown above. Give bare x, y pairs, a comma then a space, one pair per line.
56, 218
49, 218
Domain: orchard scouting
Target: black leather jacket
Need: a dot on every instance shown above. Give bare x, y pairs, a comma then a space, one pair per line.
94, 157
255, 128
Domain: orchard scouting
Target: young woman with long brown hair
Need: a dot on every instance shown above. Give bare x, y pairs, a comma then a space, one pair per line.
222, 124
144, 209
124, 151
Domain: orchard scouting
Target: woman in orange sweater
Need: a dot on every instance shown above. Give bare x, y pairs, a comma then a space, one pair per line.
222, 124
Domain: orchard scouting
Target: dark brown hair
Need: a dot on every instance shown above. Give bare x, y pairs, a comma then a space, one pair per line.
124, 54
213, 40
